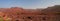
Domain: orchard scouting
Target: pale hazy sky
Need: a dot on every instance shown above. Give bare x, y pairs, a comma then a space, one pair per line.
28, 3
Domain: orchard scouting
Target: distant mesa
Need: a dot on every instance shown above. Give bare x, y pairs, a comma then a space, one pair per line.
16, 8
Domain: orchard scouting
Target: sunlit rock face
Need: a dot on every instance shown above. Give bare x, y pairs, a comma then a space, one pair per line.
21, 14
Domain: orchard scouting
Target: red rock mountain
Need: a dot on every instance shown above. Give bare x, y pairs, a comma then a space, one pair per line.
20, 14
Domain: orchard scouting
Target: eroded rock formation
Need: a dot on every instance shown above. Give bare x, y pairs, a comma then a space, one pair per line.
20, 14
